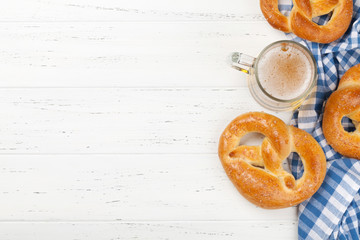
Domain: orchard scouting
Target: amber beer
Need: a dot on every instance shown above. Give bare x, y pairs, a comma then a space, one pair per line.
285, 71
281, 77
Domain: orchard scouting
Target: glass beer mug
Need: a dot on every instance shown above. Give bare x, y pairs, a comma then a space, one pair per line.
281, 77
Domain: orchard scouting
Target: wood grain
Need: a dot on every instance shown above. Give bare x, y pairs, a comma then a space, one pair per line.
149, 230
139, 54
110, 116
135, 10
126, 187
119, 120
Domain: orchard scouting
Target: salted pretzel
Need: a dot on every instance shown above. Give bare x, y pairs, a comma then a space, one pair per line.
344, 102
257, 172
300, 20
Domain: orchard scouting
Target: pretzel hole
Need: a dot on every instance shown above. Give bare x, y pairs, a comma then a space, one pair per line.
323, 19
295, 160
252, 139
285, 165
348, 124
257, 165
286, 9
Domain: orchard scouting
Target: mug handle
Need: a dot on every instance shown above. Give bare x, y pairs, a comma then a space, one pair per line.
242, 62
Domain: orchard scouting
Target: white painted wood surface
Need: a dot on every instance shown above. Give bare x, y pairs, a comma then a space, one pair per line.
110, 116
135, 187
134, 10
213, 230
127, 54
119, 120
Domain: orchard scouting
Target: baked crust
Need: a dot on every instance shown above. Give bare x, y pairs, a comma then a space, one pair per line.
344, 102
257, 172
300, 20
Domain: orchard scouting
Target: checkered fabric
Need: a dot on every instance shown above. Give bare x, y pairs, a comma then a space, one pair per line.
334, 211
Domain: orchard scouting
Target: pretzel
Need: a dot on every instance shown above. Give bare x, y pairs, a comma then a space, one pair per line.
300, 20
344, 102
257, 172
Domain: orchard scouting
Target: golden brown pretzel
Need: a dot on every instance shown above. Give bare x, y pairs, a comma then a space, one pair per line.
300, 20
256, 171
344, 102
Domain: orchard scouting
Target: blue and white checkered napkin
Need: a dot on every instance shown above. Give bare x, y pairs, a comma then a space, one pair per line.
334, 211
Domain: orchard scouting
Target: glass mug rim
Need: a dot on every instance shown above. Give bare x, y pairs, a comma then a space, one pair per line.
306, 92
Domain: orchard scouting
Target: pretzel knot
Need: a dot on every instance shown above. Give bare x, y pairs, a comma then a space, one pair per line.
344, 102
257, 172
300, 20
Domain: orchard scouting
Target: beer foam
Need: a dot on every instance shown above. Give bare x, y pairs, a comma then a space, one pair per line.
285, 71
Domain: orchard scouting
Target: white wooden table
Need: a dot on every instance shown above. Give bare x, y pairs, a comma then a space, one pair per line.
111, 112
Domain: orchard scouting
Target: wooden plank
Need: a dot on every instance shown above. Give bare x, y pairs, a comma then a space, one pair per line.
119, 120
140, 54
135, 10
135, 187
149, 230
